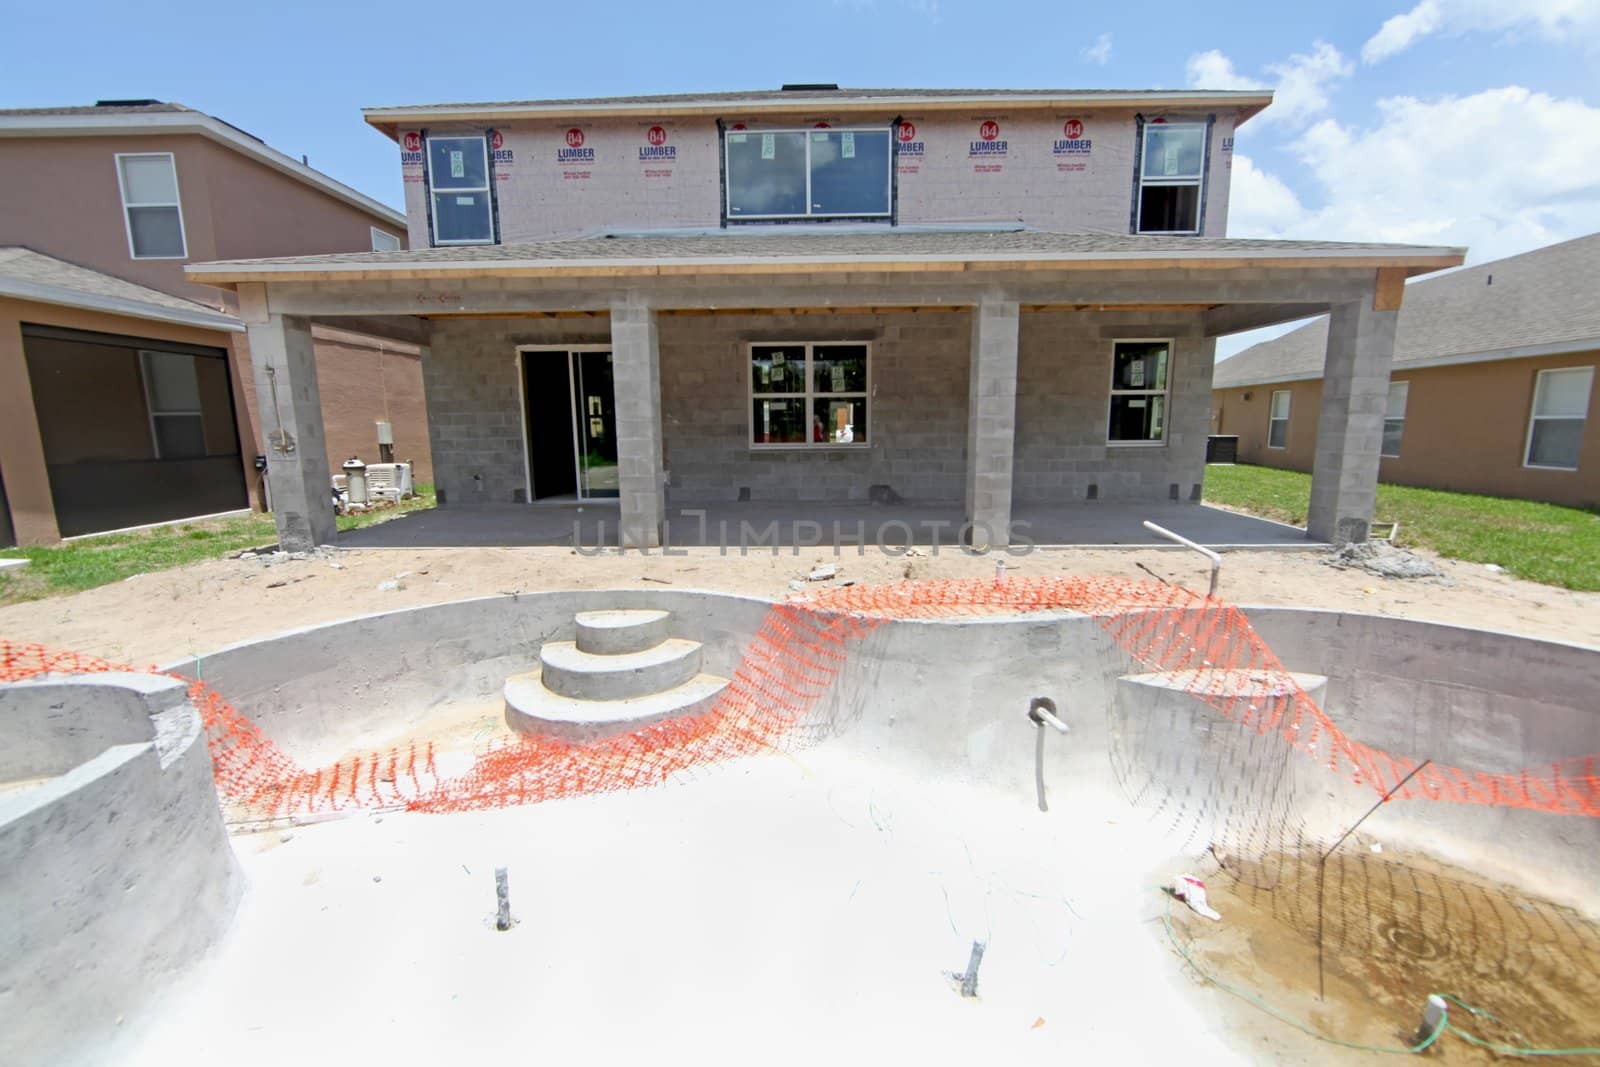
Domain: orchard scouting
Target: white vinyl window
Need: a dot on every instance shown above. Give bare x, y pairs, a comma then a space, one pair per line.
1394, 418
458, 190
817, 173
1560, 408
809, 395
384, 241
1140, 376
150, 208
172, 392
1278, 419
1172, 165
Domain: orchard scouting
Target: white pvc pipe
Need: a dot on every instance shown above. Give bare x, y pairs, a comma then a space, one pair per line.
1216, 560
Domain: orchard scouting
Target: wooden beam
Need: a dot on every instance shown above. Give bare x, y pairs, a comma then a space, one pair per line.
1391, 289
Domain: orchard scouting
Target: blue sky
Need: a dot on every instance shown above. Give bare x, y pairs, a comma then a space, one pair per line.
1470, 122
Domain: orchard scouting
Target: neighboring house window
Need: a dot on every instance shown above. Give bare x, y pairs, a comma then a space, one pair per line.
1394, 418
172, 393
1278, 420
383, 241
150, 209
1139, 375
458, 187
809, 395
1171, 177
797, 174
1560, 407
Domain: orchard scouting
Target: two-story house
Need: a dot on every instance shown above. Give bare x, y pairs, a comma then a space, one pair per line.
126, 390
985, 297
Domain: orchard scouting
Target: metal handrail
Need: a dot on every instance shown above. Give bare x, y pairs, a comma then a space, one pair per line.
1216, 560
1042, 713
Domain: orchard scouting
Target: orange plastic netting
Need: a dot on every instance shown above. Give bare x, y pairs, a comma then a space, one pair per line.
791, 665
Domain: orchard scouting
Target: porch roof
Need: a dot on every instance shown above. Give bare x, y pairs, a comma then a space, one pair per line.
617, 255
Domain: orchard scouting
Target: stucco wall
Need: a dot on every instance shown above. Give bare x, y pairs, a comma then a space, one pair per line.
1466, 429
939, 180
917, 420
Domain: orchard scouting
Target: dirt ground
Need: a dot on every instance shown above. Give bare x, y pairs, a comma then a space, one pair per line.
203, 607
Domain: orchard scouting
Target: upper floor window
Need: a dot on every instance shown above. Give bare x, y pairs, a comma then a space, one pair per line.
799, 174
150, 209
384, 241
809, 394
458, 190
1139, 371
1171, 177
1560, 408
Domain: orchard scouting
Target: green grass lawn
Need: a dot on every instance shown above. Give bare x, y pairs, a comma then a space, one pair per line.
1540, 542
91, 561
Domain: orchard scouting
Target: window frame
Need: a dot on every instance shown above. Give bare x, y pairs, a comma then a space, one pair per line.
887, 215
151, 414
1534, 417
1404, 384
177, 202
810, 395
1288, 395
1165, 393
487, 189
399, 245
1140, 181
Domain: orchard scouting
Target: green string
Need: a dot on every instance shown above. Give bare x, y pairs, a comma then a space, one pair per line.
1422, 1046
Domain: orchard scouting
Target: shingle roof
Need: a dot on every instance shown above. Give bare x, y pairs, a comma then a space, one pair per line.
1547, 297
29, 275
98, 109
757, 96
790, 244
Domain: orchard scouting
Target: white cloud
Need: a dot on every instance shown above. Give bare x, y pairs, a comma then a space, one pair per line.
1300, 83
1098, 53
1561, 20
1501, 171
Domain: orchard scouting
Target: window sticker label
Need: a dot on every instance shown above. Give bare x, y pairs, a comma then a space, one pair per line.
769, 146
466, 201
847, 145
1136, 374
736, 138
458, 164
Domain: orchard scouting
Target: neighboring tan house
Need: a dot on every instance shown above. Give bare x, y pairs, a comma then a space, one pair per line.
128, 389
1491, 390
978, 297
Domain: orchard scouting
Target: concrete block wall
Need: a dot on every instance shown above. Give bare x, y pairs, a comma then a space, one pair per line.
1063, 408
616, 179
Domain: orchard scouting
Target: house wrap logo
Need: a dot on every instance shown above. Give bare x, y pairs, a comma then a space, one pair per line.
411, 149
988, 143
574, 152
906, 135
503, 157
1072, 142
656, 149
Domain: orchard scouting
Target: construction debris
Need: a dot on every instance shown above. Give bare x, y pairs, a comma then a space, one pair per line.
1384, 560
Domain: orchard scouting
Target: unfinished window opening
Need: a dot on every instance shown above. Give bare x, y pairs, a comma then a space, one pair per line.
1171, 177
1140, 370
1278, 420
800, 174
1560, 409
458, 190
151, 211
1394, 418
809, 395
384, 241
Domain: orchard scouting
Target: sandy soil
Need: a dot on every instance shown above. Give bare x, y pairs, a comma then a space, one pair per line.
203, 607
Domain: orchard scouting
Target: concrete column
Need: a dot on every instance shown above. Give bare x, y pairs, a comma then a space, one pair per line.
991, 421
22, 464
290, 408
636, 378
1355, 392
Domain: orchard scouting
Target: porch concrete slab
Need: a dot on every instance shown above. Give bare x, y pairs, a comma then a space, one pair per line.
761, 525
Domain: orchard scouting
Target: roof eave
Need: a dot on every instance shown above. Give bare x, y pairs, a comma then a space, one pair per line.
390, 120
62, 296
1415, 261
200, 124
1402, 365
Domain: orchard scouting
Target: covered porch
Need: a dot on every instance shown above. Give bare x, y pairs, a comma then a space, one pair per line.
974, 396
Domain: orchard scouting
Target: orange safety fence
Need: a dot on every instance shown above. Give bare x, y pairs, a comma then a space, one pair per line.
787, 669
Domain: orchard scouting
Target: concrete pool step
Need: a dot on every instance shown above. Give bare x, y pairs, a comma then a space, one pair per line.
532, 708
571, 672
610, 633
